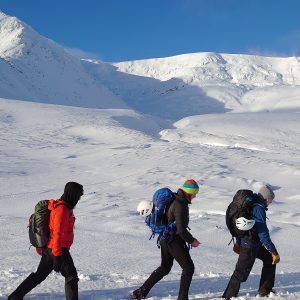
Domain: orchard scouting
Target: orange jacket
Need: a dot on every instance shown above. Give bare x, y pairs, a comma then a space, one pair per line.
61, 226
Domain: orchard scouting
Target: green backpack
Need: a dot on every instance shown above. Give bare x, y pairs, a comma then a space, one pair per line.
38, 227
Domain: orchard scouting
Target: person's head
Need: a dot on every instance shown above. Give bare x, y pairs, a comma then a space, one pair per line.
266, 192
72, 193
190, 188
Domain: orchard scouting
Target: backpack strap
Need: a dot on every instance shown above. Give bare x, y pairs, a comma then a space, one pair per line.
60, 203
157, 242
232, 240
152, 235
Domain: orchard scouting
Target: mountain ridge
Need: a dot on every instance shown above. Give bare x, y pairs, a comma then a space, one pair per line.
34, 68
37, 69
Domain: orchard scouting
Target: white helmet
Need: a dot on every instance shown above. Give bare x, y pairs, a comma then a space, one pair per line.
145, 208
244, 224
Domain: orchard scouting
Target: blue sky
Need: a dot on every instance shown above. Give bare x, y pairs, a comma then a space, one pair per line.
119, 30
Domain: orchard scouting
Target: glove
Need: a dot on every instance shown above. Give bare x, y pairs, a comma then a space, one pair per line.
275, 257
195, 243
236, 248
57, 263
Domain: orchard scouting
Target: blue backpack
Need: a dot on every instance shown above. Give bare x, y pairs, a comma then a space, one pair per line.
158, 220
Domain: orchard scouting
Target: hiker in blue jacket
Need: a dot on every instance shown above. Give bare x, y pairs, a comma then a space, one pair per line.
257, 244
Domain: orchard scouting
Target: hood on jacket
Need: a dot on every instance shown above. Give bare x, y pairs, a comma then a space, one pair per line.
72, 193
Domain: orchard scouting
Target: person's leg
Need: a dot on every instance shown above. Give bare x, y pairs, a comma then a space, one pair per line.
163, 270
268, 271
156, 275
179, 250
44, 269
242, 270
69, 271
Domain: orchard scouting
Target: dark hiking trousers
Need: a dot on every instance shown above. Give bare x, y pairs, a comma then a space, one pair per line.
45, 267
179, 251
243, 268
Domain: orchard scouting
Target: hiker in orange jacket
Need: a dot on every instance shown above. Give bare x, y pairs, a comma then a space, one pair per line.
61, 226
56, 255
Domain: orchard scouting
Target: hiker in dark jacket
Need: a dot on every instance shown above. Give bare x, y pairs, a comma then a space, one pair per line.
56, 255
257, 244
175, 245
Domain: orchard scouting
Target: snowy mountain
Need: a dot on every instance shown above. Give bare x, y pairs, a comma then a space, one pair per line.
35, 68
202, 83
235, 123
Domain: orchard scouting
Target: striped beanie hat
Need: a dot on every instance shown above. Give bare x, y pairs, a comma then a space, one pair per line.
190, 186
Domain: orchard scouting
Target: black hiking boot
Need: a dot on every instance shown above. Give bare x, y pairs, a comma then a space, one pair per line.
137, 294
14, 296
267, 294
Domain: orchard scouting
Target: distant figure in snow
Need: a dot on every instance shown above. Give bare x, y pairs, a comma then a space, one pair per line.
255, 245
56, 255
176, 244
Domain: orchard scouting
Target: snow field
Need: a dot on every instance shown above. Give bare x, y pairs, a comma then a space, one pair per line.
44, 146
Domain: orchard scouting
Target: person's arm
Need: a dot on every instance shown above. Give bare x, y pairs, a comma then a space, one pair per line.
179, 215
260, 226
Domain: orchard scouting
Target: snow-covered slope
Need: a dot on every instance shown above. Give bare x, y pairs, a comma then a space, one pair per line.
207, 67
202, 83
119, 165
120, 159
35, 68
